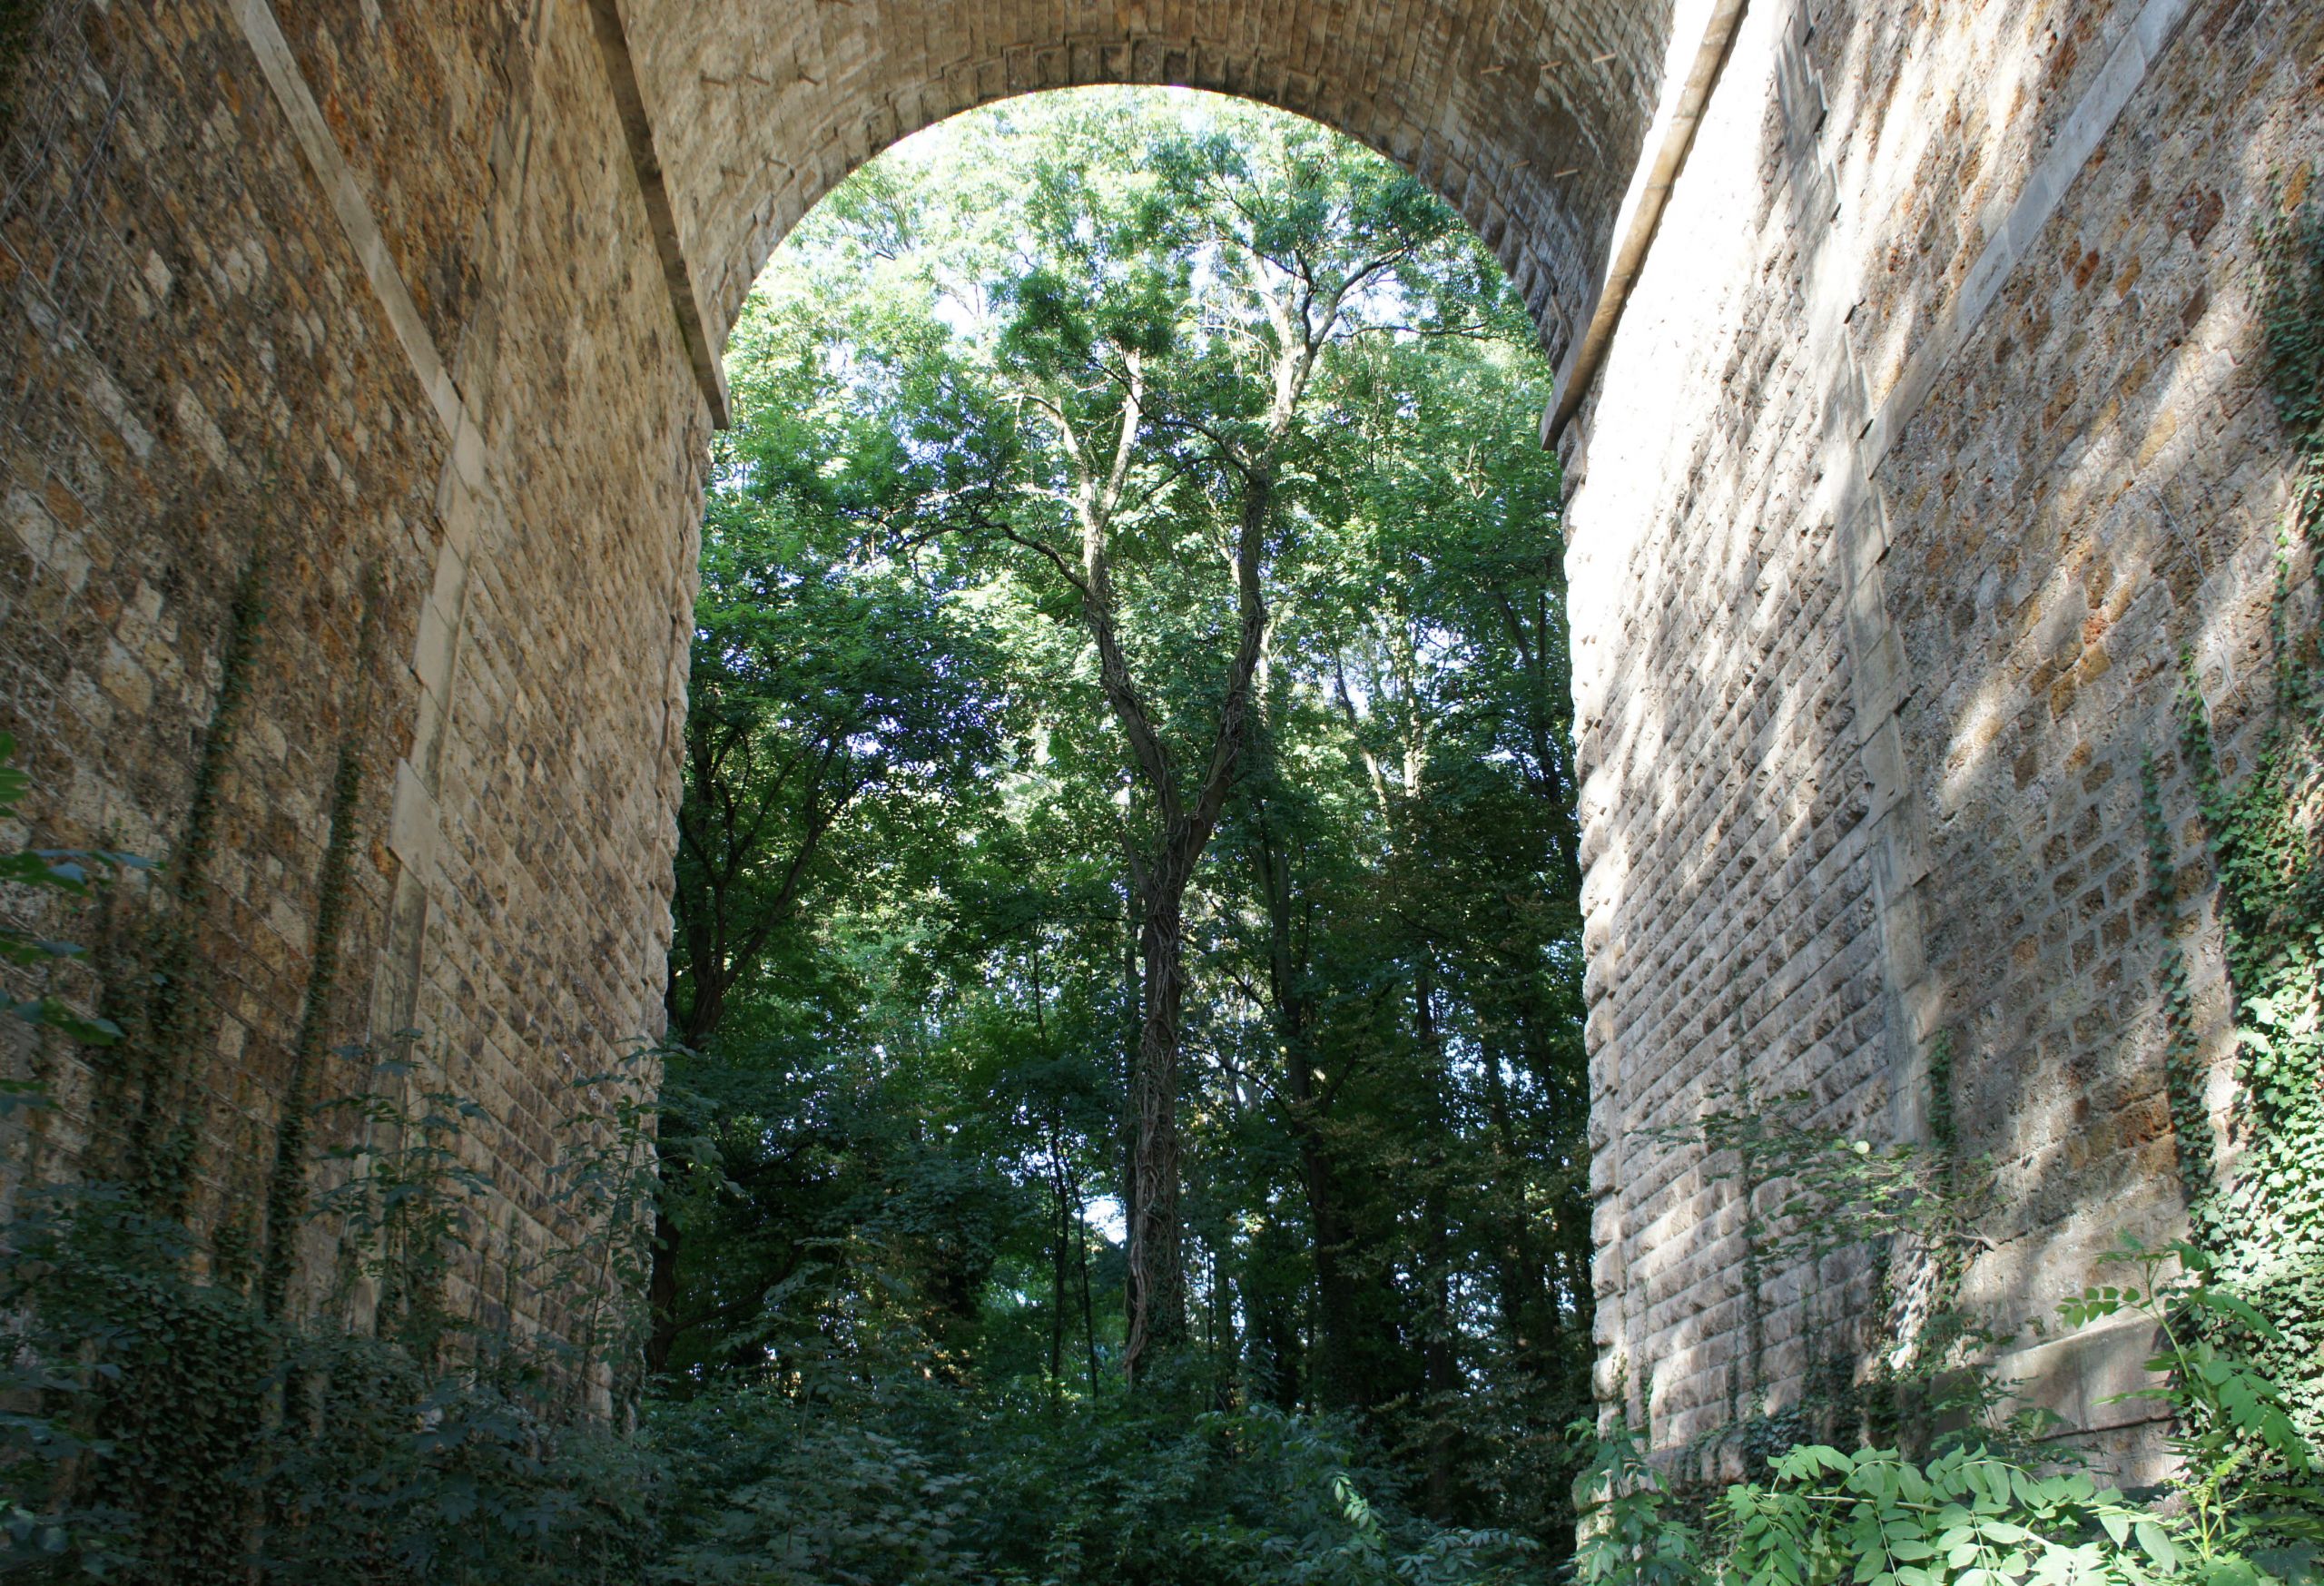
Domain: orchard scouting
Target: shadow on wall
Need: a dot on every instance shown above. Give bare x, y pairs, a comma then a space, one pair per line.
2119, 511
2091, 485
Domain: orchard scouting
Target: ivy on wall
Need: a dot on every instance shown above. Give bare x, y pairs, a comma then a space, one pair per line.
2257, 1207
169, 1412
287, 1185
155, 973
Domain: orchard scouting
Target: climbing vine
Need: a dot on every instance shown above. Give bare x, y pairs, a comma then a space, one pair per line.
166, 1427
165, 1417
2257, 1212
2291, 319
1895, 1219
156, 975
287, 1180
2237, 1309
2183, 1064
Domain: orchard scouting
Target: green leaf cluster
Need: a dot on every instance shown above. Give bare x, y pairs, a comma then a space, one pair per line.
2242, 1508
1035, 419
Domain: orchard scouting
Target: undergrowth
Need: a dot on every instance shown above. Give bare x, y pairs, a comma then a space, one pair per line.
2261, 1217
162, 1420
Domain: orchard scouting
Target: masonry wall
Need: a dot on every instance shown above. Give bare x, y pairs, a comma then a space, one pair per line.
1934, 433
1929, 435
365, 301
181, 337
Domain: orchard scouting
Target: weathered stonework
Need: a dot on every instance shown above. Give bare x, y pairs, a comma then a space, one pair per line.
1934, 431
1920, 430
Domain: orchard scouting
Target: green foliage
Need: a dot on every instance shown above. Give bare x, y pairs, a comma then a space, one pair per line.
165, 1427
407, 1205
1632, 1531
392, 1476
1894, 1222
2246, 1474
2261, 1223
1968, 1516
2243, 1506
156, 975
831, 698
2291, 319
165, 1422
875, 1208
889, 1238
2236, 1308
286, 1186
904, 1481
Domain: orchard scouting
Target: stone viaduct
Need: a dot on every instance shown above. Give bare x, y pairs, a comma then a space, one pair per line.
1910, 395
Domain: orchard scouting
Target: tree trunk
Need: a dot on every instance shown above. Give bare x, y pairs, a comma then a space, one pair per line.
1156, 1288
1064, 1229
1157, 1307
1438, 1363
1276, 1337
1339, 1371
1133, 1033
1088, 1312
1518, 1270
1225, 1350
662, 1295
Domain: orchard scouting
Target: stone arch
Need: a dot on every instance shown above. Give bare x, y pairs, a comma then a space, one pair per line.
1527, 117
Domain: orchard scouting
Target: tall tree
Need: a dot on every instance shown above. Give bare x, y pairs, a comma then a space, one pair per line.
1169, 311
1214, 435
